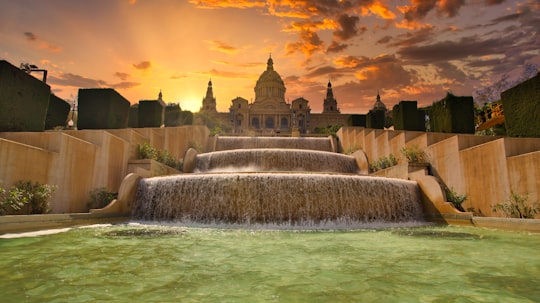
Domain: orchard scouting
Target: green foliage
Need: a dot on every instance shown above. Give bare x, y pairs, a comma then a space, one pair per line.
100, 197
455, 198
383, 163
518, 207
328, 130
32, 198
217, 130
147, 151
414, 154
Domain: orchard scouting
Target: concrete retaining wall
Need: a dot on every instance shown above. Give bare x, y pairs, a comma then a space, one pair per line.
77, 162
485, 168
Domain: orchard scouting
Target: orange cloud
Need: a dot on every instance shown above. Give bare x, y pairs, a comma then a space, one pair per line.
143, 65
365, 73
210, 4
42, 44
349, 61
378, 9
311, 25
309, 43
221, 46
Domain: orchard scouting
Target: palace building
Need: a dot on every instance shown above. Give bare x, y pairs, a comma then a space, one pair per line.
270, 114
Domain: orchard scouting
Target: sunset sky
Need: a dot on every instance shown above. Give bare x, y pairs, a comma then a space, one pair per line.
403, 49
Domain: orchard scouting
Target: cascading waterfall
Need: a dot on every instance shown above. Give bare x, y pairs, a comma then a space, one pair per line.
266, 159
312, 143
276, 186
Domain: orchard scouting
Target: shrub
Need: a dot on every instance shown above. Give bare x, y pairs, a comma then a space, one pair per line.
383, 163
35, 197
414, 154
456, 199
100, 197
517, 207
147, 151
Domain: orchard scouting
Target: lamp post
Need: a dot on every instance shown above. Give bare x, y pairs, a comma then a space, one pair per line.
71, 123
28, 68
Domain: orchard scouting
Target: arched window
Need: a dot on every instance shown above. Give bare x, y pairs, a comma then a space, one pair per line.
284, 123
269, 123
255, 123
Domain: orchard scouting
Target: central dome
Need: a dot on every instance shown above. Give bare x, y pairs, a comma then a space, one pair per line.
270, 86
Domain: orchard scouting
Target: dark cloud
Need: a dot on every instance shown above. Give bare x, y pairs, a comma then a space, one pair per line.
412, 38
494, 2
30, 36
122, 76
336, 47
73, 80
40, 43
348, 27
125, 85
384, 40
449, 71
418, 10
464, 48
69, 79
143, 65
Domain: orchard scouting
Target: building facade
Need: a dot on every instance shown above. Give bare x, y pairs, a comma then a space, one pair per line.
269, 113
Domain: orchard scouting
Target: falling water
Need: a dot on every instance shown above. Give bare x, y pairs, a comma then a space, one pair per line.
291, 198
310, 143
275, 160
262, 184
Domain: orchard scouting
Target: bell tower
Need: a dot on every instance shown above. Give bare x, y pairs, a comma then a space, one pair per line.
209, 101
330, 103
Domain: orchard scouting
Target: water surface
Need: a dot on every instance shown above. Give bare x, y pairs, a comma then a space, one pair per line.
180, 264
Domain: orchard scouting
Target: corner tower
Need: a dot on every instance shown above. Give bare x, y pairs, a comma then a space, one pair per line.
209, 102
330, 103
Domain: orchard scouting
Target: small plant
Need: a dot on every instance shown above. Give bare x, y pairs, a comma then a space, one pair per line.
35, 197
147, 151
517, 207
383, 163
414, 154
100, 197
455, 198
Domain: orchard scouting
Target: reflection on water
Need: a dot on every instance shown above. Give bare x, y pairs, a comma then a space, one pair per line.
150, 263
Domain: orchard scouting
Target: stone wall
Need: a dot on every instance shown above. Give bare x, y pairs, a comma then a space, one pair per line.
79, 161
485, 168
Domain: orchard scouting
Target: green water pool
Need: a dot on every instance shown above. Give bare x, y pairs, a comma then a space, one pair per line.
147, 263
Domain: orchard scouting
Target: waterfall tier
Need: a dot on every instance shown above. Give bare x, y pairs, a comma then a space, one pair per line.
277, 198
275, 160
309, 143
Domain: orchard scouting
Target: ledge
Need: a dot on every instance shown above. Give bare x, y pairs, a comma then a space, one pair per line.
530, 225
25, 223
